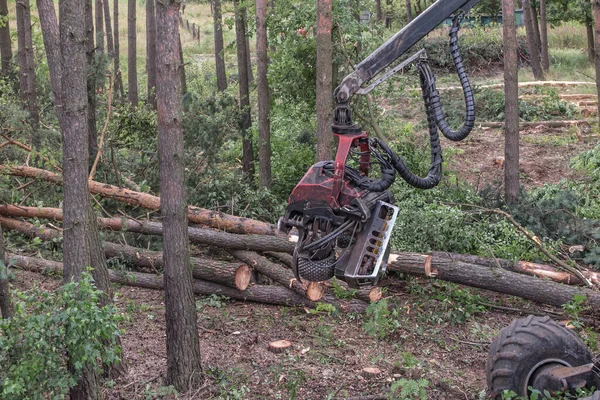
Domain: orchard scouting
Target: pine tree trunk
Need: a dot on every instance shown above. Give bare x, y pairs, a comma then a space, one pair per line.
183, 348
151, 51
5, 42
91, 81
246, 121
132, 53
248, 50
6, 307
511, 107
536, 27
98, 14
264, 128
534, 50
378, 11
182, 69
219, 53
27, 68
544, 36
51, 37
324, 80
589, 27
596, 13
118, 83
408, 12
108, 28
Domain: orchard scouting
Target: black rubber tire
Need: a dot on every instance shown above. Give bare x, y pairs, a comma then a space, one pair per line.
523, 347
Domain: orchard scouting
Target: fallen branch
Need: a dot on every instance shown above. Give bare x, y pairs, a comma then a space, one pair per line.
101, 144
197, 215
9, 140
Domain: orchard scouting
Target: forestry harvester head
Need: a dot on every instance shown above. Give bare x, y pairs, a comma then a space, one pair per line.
343, 217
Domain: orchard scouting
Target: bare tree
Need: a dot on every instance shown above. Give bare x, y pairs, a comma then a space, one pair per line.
544, 36
532, 42
27, 67
511, 107
378, 11
219, 53
6, 306
51, 37
132, 53
596, 13
91, 79
246, 121
183, 348
324, 80
108, 27
151, 51
116, 60
264, 128
99, 13
5, 43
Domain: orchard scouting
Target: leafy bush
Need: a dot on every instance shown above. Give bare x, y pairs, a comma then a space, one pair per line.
588, 162
47, 327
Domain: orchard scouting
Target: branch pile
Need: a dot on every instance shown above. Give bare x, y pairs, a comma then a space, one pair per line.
251, 252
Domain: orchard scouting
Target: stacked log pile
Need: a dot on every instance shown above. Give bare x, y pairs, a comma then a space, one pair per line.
247, 247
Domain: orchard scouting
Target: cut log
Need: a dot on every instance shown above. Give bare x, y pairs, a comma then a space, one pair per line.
548, 124
491, 278
315, 291
196, 235
285, 278
217, 220
279, 346
276, 295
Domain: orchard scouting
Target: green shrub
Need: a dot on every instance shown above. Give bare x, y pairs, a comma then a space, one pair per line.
47, 327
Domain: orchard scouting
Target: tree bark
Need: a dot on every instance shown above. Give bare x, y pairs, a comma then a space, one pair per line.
27, 68
6, 307
5, 42
264, 128
219, 53
98, 14
110, 48
51, 37
536, 27
408, 11
132, 53
197, 215
151, 51
182, 69
544, 36
511, 105
596, 13
248, 49
91, 81
118, 82
184, 368
589, 28
324, 80
490, 278
378, 11
246, 120
534, 50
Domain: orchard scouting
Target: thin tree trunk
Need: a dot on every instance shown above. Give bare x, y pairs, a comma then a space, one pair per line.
536, 27
27, 68
378, 11
264, 128
544, 36
91, 81
408, 11
118, 82
99, 25
5, 42
108, 28
324, 80
511, 108
219, 53
534, 50
132, 53
248, 50
182, 69
151, 51
246, 121
596, 12
183, 348
51, 37
589, 28
6, 306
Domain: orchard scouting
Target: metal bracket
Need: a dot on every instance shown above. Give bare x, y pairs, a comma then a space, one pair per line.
392, 71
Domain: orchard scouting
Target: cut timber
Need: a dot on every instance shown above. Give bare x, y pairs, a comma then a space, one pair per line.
549, 124
276, 295
196, 235
527, 84
496, 279
315, 291
279, 346
218, 220
370, 372
375, 294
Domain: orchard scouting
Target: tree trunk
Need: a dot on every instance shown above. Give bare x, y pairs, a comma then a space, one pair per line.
108, 28
98, 14
490, 278
544, 36
132, 53
511, 105
151, 51
534, 50
6, 307
596, 12
248, 49
5, 42
91, 82
184, 369
264, 128
408, 11
74, 128
589, 28
118, 81
246, 121
536, 27
219, 52
51, 36
378, 11
324, 80
27, 68
182, 69
197, 215
388, 14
